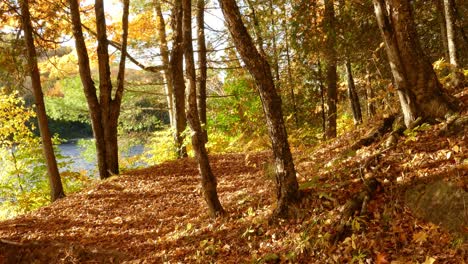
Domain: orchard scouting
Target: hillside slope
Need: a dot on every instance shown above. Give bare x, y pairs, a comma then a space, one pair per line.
157, 214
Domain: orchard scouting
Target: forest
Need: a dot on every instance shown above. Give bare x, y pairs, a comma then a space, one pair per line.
248, 131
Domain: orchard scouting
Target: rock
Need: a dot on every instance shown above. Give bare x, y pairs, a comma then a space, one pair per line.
441, 203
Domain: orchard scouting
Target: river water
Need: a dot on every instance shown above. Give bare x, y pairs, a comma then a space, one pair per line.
73, 153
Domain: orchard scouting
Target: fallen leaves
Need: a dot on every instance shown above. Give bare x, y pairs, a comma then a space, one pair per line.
158, 215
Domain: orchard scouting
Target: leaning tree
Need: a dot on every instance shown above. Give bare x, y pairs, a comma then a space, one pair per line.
257, 64
420, 92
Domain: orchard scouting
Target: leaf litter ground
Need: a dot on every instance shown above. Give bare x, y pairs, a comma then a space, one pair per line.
157, 214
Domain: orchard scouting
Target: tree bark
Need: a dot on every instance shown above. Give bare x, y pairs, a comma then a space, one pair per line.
330, 58
275, 60
202, 66
289, 81
208, 179
418, 88
371, 111
352, 95
451, 34
286, 182
443, 28
161, 27
55, 182
322, 98
104, 111
178, 83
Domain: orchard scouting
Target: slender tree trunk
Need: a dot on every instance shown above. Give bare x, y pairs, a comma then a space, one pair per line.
55, 182
352, 94
202, 66
178, 83
322, 98
257, 30
330, 58
274, 45
419, 90
161, 27
451, 34
287, 186
104, 111
443, 28
208, 179
290, 82
370, 95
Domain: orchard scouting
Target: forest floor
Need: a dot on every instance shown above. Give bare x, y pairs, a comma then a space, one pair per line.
157, 214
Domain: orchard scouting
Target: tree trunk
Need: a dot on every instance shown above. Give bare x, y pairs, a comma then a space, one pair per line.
208, 179
202, 66
287, 186
274, 45
322, 98
419, 90
178, 83
443, 28
331, 79
451, 34
55, 182
289, 82
89, 88
104, 111
353, 96
370, 96
161, 27
257, 29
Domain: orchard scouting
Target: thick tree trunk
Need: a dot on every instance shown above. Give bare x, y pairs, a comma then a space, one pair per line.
330, 58
161, 27
104, 111
178, 83
208, 179
105, 92
451, 34
88, 87
55, 182
287, 186
202, 66
352, 95
418, 88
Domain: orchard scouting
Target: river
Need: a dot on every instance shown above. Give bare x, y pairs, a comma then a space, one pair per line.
73, 153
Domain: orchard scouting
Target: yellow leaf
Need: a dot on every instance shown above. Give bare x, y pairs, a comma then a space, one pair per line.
429, 260
420, 237
448, 155
456, 149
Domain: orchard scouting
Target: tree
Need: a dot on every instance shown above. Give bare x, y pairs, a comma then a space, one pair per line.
105, 110
161, 27
331, 76
352, 94
419, 90
55, 181
178, 83
198, 137
286, 182
451, 34
202, 65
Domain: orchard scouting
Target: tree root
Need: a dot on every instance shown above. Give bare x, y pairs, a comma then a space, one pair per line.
375, 134
357, 206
